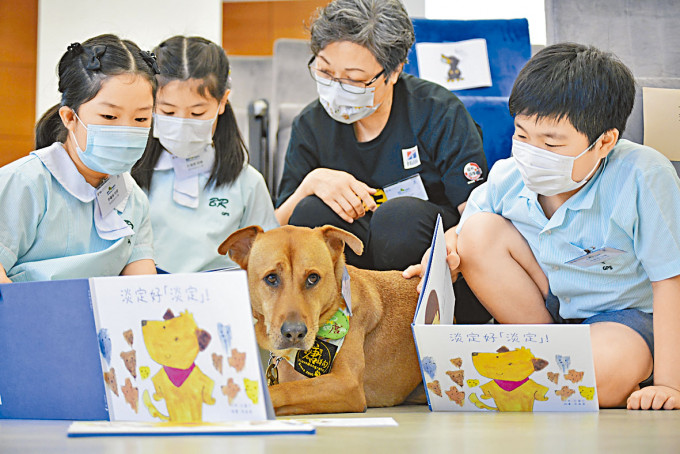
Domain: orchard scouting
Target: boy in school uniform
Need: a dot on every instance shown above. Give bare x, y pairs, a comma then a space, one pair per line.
581, 226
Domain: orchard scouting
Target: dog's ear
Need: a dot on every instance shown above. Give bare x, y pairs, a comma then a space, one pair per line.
203, 339
168, 315
239, 243
337, 238
503, 349
539, 363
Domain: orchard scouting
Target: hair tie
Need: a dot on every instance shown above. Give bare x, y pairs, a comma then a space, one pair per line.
94, 54
150, 59
76, 48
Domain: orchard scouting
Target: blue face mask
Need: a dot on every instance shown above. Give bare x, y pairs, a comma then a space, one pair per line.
112, 149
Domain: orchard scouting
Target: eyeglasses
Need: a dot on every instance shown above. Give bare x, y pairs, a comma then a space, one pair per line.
349, 85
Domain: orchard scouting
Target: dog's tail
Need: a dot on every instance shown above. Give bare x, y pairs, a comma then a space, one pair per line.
478, 403
153, 411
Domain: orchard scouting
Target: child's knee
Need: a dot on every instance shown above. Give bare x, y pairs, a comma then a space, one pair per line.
613, 392
622, 361
479, 233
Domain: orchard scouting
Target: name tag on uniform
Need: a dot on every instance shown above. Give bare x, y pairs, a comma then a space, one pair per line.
595, 257
409, 187
110, 193
193, 166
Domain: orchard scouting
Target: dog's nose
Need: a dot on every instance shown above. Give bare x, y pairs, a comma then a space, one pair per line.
143, 322
294, 331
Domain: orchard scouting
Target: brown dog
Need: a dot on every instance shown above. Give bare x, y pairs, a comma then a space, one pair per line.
294, 276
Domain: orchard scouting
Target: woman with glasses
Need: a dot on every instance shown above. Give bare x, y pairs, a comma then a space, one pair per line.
377, 135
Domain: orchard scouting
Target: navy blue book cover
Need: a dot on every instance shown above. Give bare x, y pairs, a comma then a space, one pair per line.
49, 355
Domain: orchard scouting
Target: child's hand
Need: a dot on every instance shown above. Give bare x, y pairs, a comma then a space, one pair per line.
418, 270
655, 398
452, 259
3, 276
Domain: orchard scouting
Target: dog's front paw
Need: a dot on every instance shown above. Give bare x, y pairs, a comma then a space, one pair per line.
277, 397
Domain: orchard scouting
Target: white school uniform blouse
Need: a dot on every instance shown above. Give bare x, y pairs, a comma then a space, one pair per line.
51, 226
190, 221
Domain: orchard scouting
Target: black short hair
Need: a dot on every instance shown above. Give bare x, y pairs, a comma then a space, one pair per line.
82, 70
593, 89
193, 57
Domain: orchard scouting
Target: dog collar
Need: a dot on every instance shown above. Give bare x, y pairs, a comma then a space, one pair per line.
178, 376
346, 291
509, 385
318, 360
336, 327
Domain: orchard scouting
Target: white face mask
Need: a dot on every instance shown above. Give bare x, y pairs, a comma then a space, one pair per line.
545, 172
183, 137
343, 106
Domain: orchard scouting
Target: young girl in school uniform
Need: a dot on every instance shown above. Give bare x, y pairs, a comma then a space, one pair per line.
195, 168
70, 209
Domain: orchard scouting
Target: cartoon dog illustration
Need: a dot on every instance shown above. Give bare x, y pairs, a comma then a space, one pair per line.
510, 388
174, 343
454, 73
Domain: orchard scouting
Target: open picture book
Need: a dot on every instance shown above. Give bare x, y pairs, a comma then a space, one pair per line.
495, 367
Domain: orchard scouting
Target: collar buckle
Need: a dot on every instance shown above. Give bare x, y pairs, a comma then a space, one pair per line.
272, 373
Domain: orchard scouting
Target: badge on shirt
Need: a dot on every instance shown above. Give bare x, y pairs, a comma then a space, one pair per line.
110, 193
409, 187
472, 172
185, 168
410, 157
595, 257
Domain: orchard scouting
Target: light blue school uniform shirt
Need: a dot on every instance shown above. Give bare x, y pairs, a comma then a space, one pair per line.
190, 221
631, 204
51, 226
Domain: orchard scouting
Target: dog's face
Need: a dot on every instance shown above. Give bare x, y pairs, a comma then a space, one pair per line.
174, 341
515, 365
294, 276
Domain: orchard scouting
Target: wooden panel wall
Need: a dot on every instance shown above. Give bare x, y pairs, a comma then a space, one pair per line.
250, 28
18, 59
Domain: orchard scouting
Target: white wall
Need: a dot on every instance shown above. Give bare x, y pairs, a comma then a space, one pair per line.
533, 10
146, 22
415, 8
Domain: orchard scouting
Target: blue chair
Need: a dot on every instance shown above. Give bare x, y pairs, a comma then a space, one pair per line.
509, 49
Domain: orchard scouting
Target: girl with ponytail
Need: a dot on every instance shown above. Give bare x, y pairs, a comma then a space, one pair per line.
70, 209
195, 168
